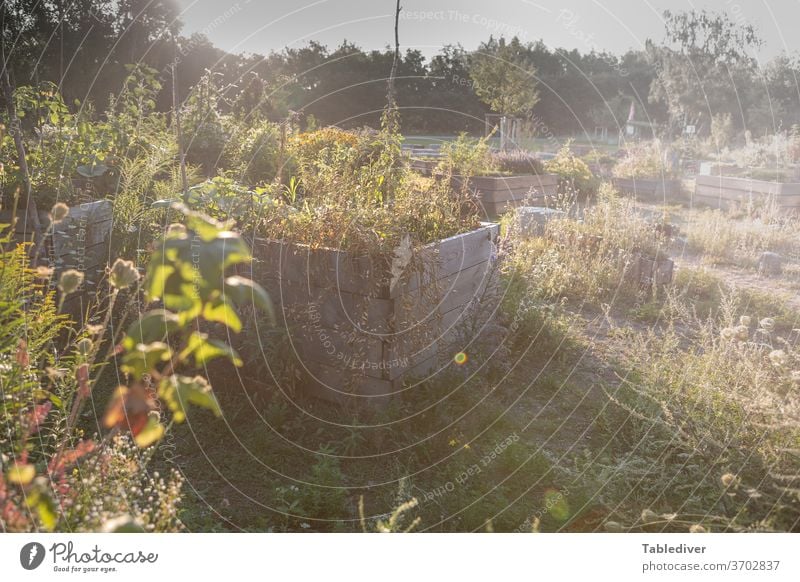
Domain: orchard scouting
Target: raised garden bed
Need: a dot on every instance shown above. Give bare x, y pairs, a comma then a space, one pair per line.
649, 189
499, 194
80, 241
723, 192
358, 337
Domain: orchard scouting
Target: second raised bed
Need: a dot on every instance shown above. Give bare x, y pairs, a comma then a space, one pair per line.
357, 336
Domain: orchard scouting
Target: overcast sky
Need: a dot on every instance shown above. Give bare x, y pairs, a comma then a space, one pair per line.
615, 25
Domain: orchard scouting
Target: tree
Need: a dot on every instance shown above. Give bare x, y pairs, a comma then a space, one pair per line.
705, 60
503, 76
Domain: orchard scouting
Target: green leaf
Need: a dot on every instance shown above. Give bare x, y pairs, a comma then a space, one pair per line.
207, 228
223, 312
157, 276
92, 171
204, 350
151, 433
145, 357
42, 503
245, 292
179, 391
153, 326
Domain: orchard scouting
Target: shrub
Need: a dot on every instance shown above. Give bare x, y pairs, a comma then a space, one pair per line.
350, 192
644, 160
574, 174
466, 156
309, 146
254, 156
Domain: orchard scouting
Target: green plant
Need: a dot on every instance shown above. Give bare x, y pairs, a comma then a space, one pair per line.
351, 192
50, 370
468, 157
224, 199
644, 160
574, 174
254, 154
321, 499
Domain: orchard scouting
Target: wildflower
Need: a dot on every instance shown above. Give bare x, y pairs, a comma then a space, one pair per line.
728, 479
123, 274
59, 212
69, 281
42, 272
767, 324
742, 332
778, 358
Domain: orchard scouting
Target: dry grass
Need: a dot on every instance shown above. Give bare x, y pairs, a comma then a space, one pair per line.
726, 239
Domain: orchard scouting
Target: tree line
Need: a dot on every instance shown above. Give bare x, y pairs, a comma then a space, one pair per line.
701, 72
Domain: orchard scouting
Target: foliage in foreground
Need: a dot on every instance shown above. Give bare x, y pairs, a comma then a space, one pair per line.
53, 475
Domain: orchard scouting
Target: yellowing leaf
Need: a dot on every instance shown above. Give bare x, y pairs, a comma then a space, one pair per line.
222, 312
21, 474
179, 391
151, 433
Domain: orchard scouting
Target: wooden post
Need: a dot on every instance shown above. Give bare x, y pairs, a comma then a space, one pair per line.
31, 214
393, 73
177, 113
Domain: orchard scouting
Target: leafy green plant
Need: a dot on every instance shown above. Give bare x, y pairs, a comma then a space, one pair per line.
467, 156
253, 154
224, 199
574, 175
644, 160
50, 371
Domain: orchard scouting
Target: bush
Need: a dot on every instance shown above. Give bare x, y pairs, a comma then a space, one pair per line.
254, 156
644, 160
466, 156
574, 174
351, 192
